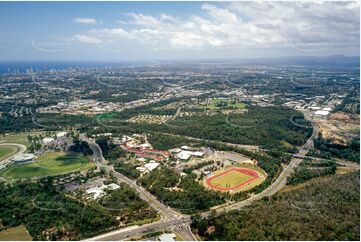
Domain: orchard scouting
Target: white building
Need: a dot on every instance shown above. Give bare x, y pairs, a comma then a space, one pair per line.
148, 167
23, 158
60, 134
142, 169
99, 191
47, 140
175, 150
184, 155
315, 108
167, 237
141, 159
322, 113
151, 165
102, 134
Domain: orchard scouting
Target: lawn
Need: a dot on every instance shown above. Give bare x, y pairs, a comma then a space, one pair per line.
19, 233
6, 150
50, 164
19, 138
225, 103
106, 116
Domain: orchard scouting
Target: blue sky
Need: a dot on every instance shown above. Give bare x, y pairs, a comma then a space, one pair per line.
107, 31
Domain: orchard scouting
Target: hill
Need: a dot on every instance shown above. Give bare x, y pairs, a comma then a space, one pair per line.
323, 209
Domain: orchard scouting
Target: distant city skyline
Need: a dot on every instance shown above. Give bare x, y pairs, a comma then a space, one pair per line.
114, 31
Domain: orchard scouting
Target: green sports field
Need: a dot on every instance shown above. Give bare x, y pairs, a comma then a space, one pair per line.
6, 150
49, 164
231, 179
235, 179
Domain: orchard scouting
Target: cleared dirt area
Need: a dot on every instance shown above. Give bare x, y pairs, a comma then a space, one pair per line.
340, 132
19, 233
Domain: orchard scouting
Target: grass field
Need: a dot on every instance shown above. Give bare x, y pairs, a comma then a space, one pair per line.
230, 179
49, 164
6, 150
225, 103
19, 233
235, 179
20, 138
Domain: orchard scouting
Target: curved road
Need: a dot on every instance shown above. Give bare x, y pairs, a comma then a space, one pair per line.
166, 212
280, 181
181, 223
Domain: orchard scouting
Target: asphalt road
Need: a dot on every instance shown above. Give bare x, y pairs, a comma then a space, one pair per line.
144, 229
181, 223
166, 212
170, 218
279, 183
339, 162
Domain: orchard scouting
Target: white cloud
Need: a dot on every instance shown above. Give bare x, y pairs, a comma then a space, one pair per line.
85, 20
87, 39
240, 25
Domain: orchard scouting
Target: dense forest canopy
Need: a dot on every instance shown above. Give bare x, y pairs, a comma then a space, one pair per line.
324, 209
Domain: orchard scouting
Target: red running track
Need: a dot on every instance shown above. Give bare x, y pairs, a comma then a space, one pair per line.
242, 170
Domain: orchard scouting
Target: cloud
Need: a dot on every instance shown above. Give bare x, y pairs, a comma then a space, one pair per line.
85, 20
50, 46
87, 39
240, 25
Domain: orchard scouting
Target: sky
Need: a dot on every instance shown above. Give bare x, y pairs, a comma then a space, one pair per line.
110, 31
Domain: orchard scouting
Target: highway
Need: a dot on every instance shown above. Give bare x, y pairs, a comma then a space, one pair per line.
144, 229
339, 162
171, 219
98, 157
97, 152
281, 180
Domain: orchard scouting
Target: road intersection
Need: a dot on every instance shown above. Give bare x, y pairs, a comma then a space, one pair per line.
177, 221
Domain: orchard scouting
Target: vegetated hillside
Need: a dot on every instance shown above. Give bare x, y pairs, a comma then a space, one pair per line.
49, 214
268, 127
327, 149
325, 209
182, 193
